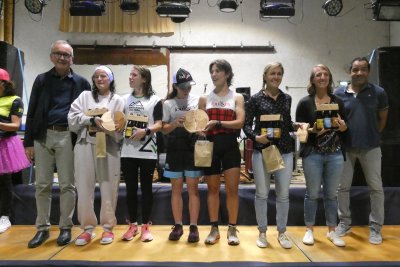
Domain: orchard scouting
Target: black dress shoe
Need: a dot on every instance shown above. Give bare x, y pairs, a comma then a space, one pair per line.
38, 239
64, 237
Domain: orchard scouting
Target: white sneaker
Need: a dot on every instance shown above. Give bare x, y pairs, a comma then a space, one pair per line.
335, 239
213, 236
4, 224
284, 241
308, 238
262, 240
233, 239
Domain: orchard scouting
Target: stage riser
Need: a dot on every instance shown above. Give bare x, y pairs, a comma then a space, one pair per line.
25, 207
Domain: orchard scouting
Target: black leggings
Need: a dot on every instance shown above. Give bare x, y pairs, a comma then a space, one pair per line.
6, 188
130, 168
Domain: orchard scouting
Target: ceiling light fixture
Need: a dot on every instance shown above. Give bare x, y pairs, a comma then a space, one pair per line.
277, 9
386, 10
131, 6
87, 7
177, 10
228, 6
35, 6
332, 7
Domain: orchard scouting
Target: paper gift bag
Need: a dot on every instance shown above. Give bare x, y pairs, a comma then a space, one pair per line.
203, 151
272, 158
101, 145
302, 133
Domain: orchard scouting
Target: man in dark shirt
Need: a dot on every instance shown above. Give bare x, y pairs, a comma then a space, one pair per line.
48, 140
366, 107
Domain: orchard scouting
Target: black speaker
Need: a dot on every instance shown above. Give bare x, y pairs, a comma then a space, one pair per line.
11, 60
245, 91
385, 70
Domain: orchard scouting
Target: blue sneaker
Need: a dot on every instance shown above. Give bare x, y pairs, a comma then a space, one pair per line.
375, 237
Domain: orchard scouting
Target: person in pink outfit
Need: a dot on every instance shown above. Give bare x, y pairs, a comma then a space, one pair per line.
12, 156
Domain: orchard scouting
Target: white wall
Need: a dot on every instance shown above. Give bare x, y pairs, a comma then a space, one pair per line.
395, 33
309, 38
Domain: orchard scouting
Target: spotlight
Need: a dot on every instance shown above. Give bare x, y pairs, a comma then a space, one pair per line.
177, 10
332, 7
178, 19
386, 10
87, 7
228, 5
35, 6
277, 9
131, 6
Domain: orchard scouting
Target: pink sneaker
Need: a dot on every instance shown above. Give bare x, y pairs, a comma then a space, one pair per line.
107, 238
84, 238
131, 233
146, 235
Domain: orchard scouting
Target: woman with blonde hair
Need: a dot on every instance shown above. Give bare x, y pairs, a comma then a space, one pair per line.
323, 154
271, 100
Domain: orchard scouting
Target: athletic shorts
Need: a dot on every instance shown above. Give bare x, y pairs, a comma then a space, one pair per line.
226, 153
179, 160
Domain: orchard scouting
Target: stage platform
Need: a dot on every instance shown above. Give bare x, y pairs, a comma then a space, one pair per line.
25, 207
164, 253
161, 252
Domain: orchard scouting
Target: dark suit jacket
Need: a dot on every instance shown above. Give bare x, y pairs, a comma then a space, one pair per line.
39, 102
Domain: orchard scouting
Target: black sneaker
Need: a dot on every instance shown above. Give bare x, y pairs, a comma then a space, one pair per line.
177, 232
193, 234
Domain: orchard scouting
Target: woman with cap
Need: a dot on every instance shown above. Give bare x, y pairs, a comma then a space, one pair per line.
12, 156
180, 153
225, 109
143, 108
90, 168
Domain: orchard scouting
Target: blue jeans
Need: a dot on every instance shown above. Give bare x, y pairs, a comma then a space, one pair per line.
370, 160
322, 169
262, 180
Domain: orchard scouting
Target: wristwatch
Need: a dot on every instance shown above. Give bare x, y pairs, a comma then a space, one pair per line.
92, 121
148, 131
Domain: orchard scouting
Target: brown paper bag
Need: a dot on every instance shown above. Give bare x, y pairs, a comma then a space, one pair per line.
272, 158
302, 134
203, 152
101, 151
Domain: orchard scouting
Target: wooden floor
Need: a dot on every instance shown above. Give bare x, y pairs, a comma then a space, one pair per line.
13, 246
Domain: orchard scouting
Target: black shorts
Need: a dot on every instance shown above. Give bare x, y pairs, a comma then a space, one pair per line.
180, 154
226, 153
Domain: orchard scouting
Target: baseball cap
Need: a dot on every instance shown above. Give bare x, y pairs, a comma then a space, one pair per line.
183, 79
4, 75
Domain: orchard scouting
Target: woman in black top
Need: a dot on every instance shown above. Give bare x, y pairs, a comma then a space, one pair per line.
323, 154
271, 100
